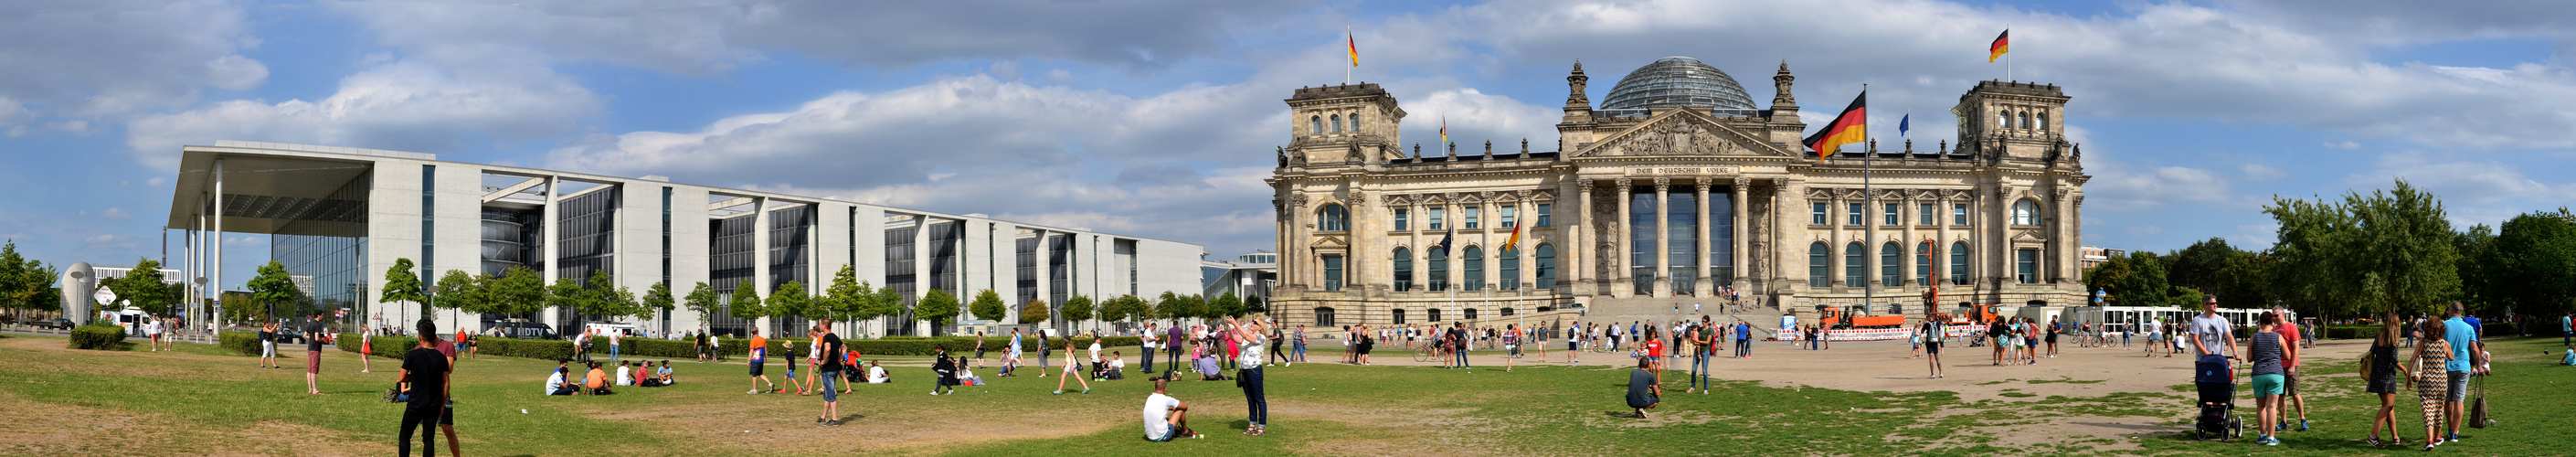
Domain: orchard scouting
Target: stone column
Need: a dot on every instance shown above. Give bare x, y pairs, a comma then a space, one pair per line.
1706, 284
1743, 216
1356, 278
2062, 238
1626, 283
1578, 251
760, 256
1663, 237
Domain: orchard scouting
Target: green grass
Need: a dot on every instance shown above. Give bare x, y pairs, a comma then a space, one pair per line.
1318, 409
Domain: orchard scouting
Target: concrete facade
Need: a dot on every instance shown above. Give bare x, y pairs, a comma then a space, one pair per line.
442, 215
1668, 205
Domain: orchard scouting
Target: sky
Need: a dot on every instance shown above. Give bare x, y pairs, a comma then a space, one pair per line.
1158, 119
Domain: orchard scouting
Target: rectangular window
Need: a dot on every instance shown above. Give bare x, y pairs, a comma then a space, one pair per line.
1506, 213
1819, 215
428, 216
1893, 214
1332, 273
1924, 212
1958, 214
1856, 214
2026, 263
1436, 219
1470, 214
1401, 224
1543, 215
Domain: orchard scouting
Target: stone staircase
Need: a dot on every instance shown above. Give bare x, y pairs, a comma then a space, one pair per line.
1765, 319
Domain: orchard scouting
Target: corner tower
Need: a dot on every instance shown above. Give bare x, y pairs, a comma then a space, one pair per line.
1352, 124
2013, 120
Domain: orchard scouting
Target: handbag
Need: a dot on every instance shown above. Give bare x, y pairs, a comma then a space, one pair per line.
2369, 361
2478, 407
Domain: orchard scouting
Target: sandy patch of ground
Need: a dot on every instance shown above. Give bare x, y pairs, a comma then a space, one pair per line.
41, 428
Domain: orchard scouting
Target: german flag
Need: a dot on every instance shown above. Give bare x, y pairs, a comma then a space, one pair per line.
2001, 46
1850, 127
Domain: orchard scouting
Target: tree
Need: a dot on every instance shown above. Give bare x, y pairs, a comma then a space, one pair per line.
842, 301
519, 291
603, 297
790, 301
566, 294
887, 303
2104, 277
657, 300
27, 284
988, 306
2476, 248
703, 301
1115, 309
462, 291
2312, 245
1226, 305
1170, 306
402, 285
1035, 311
272, 286
143, 288
2403, 250
1078, 309
2198, 266
1255, 305
2145, 283
938, 307
2534, 263
746, 302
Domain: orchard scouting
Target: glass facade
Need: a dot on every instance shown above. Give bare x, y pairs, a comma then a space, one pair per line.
730, 260
947, 240
1332, 273
1060, 268
510, 239
791, 247
1025, 251
1641, 240
329, 268
900, 272
1546, 258
1682, 229
1403, 270
1677, 82
2026, 264
587, 234
1721, 238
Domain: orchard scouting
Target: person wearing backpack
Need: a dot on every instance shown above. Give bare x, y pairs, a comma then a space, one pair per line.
2379, 367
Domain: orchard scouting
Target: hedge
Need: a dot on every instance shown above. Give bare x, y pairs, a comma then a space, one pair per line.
394, 346
100, 337
243, 343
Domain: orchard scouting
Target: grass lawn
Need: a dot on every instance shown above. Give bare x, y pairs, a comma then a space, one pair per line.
200, 401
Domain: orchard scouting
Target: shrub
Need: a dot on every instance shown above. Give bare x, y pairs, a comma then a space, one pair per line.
99, 337
243, 343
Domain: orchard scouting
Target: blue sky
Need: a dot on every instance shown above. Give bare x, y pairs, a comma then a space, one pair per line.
1158, 118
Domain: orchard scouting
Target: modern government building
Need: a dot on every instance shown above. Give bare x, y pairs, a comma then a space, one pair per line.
343, 216
1673, 190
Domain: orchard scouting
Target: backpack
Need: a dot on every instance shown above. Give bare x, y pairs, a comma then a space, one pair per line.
2369, 361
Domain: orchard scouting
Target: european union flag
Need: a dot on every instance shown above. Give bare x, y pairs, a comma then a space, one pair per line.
1904, 123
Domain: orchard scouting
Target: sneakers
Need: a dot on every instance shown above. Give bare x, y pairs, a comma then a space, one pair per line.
1086, 391
753, 391
832, 423
2303, 425
819, 420
2267, 440
1059, 392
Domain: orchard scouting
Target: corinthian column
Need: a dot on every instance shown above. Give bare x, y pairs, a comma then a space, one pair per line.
1619, 267
1663, 237
1578, 249
1743, 228
1701, 258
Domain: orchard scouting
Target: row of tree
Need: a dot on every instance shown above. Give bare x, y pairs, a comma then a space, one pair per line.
27, 284
2386, 251
520, 291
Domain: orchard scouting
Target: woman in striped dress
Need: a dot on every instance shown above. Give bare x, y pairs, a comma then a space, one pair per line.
2431, 382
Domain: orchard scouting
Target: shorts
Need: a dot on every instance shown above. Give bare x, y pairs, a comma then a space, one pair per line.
756, 366
979, 354
1069, 366
2290, 383
1934, 348
831, 394
1168, 434
313, 362
2267, 385
2459, 388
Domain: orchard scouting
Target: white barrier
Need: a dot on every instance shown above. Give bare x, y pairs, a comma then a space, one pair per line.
1870, 334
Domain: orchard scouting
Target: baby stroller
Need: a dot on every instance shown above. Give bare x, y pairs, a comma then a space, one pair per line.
2217, 385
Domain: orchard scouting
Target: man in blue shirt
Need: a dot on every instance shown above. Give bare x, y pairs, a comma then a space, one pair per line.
2463, 336
2567, 329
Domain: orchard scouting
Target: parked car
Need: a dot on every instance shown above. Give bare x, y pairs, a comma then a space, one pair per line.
523, 330
57, 324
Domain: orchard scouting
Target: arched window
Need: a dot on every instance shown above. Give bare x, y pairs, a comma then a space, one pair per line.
2025, 120
1891, 262
1337, 123
2025, 212
1819, 265
1355, 122
1855, 265
1510, 258
1332, 218
2006, 120
1958, 264
1475, 259
1315, 125
1546, 266
1923, 264
2043, 120
1324, 317
1399, 316
1439, 257
1403, 269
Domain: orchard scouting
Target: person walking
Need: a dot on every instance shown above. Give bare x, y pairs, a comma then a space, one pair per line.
944, 369
2382, 375
1932, 331
1743, 339
313, 335
1299, 355
1250, 337
1011, 360
2267, 352
2461, 337
615, 336
2432, 379
2292, 336
1043, 349
759, 361
366, 352
1278, 335
1070, 370
2054, 328
979, 349
426, 373
830, 374
1148, 340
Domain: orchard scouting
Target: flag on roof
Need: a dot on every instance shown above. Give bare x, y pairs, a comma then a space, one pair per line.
1850, 127
2001, 46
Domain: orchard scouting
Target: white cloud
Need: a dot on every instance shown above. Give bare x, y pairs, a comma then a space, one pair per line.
84, 59
114, 213
400, 105
2261, 172
2343, 145
2463, 179
2120, 188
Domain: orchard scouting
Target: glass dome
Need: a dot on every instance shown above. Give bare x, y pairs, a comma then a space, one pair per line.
1677, 82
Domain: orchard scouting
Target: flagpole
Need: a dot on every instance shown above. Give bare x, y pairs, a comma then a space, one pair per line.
2007, 54
1350, 42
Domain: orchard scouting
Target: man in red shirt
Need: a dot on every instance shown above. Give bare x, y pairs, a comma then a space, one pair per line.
2290, 382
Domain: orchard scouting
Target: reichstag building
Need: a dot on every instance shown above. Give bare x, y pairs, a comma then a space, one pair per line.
1676, 189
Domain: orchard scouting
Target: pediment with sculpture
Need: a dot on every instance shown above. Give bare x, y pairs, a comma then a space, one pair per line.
1681, 133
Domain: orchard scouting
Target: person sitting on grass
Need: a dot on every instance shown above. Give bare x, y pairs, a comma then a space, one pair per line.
1643, 392
1114, 369
556, 384
597, 381
877, 374
1166, 417
626, 373
660, 377
1206, 363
